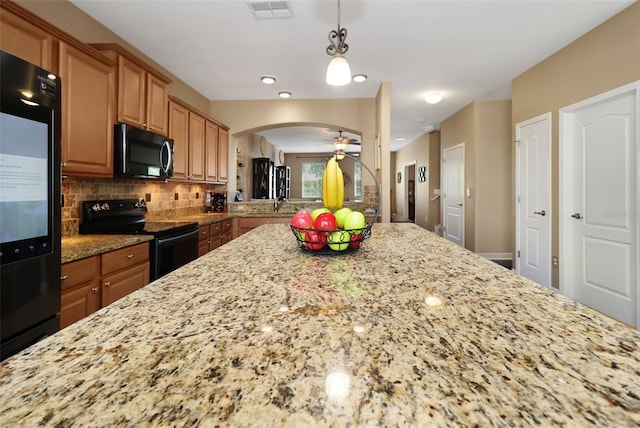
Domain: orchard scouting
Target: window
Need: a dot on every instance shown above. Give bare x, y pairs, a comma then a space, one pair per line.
312, 179
357, 181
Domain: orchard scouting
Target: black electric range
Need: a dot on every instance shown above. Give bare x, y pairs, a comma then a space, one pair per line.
175, 243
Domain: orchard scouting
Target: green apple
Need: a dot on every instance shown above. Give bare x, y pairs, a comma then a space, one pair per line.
341, 214
355, 222
315, 213
339, 240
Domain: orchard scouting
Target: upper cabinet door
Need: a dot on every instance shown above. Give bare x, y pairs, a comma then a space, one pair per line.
211, 149
88, 92
142, 90
179, 132
223, 155
196, 147
131, 93
25, 40
157, 119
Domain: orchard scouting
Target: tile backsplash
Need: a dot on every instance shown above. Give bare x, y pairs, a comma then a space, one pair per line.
162, 204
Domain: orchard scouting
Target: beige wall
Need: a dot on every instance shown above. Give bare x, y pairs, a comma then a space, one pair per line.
494, 234
460, 129
416, 153
83, 27
485, 129
433, 174
249, 117
603, 59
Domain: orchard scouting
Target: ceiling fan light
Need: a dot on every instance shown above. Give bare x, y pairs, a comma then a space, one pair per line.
338, 71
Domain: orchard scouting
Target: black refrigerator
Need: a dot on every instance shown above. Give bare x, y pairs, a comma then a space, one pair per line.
29, 204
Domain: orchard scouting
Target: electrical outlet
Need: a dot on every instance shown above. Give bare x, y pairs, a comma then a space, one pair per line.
175, 196
554, 261
147, 197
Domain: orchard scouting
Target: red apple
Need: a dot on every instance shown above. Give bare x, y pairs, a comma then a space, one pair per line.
325, 222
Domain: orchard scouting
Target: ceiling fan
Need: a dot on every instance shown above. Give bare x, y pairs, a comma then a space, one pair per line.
341, 142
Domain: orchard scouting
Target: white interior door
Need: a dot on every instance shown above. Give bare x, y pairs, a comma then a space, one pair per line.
533, 199
600, 196
453, 193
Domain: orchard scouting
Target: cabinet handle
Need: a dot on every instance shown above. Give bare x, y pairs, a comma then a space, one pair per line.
64, 277
95, 289
108, 283
129, 256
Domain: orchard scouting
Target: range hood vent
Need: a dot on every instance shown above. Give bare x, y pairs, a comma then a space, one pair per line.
270, 9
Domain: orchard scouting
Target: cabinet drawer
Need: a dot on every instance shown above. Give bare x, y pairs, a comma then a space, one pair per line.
129, 256
216, 228
203, 233
120, 284
79, 272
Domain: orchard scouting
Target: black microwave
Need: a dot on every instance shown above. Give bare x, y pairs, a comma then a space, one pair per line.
141, 153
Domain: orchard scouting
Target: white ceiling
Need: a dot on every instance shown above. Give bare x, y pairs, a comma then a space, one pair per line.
469, 50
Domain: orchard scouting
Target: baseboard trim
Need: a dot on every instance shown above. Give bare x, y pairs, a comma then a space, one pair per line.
497, 256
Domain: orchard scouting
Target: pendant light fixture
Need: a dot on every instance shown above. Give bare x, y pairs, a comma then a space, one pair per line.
338, 71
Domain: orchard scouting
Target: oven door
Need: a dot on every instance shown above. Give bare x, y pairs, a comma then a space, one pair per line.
172, 252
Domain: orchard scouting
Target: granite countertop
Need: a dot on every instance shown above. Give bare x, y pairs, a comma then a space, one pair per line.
410, 330
81, 246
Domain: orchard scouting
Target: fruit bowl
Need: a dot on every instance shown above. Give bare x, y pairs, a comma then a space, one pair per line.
325, 238
336, 241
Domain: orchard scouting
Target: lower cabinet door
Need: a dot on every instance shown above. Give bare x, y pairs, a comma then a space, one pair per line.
124, 282
78, 302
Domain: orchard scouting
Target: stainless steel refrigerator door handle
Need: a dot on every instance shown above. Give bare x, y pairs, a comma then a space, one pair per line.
542, 213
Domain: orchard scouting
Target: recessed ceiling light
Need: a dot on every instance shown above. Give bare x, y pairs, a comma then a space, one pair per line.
433, 97
359, 78
284, 94
268, 80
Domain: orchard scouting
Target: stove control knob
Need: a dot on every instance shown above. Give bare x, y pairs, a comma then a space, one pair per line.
105, 207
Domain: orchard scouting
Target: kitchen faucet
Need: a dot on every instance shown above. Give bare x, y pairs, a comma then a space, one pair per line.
278, 202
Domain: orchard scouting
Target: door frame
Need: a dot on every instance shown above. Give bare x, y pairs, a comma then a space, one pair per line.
518, 194
566, 184
443, 181
405, 186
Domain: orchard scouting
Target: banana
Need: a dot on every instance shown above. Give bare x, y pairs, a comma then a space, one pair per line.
332, 185
340, 187
325, 187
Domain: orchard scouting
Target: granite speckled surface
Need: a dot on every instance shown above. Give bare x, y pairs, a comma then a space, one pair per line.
78, 247
410, 330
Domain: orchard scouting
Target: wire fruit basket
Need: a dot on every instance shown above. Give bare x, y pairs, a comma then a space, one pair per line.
336, 241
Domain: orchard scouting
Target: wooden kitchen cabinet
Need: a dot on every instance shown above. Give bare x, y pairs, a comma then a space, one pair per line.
212, 151
196, 147
223, 155
80, 286
88, 82
24, 37
214, 235
226, 233
179, 132
95, 282
142, 91
245, 224
116, 286
200, 145
203, 240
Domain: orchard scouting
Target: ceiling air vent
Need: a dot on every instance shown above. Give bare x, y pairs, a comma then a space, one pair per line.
270, 9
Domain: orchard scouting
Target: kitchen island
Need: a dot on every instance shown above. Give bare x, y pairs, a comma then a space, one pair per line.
410, 330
